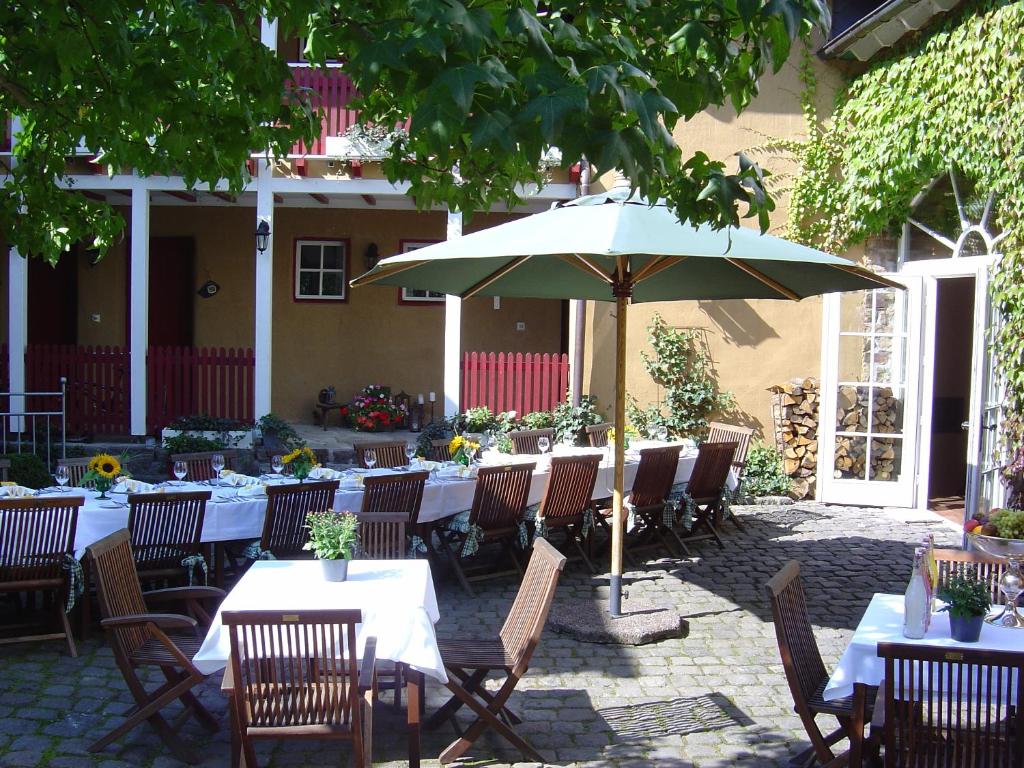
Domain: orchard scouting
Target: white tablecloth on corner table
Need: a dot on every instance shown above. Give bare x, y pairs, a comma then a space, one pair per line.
232, 518
396, 597
883, 623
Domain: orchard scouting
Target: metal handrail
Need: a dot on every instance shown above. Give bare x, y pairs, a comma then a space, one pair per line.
14, 421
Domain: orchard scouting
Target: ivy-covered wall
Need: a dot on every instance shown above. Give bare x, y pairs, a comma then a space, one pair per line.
954, 97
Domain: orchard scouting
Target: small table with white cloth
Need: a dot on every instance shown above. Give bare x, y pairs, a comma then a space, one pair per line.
396, 598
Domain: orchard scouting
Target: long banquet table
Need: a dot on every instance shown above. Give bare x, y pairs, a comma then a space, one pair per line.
233, 516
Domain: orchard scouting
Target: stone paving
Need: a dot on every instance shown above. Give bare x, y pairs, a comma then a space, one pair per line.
715, 698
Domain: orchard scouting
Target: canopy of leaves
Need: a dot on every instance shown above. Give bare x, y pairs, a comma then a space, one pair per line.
184, 87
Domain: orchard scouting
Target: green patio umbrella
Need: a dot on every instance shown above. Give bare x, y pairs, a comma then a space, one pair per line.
617, 247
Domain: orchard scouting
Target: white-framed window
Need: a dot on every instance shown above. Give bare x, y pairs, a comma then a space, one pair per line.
418, 295
321, 270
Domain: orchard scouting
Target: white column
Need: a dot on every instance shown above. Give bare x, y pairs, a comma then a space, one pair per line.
17, 316
268, 33
139, 306
264, 292
452, 334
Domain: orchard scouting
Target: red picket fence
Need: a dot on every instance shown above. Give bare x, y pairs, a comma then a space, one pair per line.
98, 385
331, 92
514, 382
186, 381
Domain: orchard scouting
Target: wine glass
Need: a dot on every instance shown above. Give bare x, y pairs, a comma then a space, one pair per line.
662, 432
543, 445
652, 431
180, 470
369, 457
62, 476
217, 462
277, 465
471, 449
410, 452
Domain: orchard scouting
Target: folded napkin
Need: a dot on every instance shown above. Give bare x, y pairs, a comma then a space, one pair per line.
15, 491
239, 481
457, 472
325, 473
258, 489
425, 465
127, 485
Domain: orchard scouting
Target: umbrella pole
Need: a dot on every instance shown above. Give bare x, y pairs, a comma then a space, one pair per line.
615, 584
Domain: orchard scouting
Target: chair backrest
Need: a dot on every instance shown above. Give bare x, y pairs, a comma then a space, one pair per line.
731, 433
118, 590
710, 470
655, 475
985, 567
200, 465
76, 470
284, 525
525, 440
525, 621
35, 536
390, 453
439, 450
163, 526
400, 494
501, 496
382, 535
968, 706
295, 669
597, 434
801, 658
570, 486
5, 468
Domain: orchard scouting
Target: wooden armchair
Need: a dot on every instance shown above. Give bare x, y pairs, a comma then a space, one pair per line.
284, 524
741, 436
805, 671
37, 538
525, 440
499, 503
974, 718
567, 500
139, 639
296, 676
469, 661
200, 465
166, 531
710, 474
390, 453
439, 450
597, 434
650, 493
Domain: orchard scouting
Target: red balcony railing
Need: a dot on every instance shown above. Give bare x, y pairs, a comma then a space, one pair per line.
331, 92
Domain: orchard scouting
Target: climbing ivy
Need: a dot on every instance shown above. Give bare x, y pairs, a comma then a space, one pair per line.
951, 98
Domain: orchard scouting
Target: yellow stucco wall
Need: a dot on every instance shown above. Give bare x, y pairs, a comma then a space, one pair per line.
753, 343
103, 292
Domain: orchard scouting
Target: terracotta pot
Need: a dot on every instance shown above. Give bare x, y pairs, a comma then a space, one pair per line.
335, 570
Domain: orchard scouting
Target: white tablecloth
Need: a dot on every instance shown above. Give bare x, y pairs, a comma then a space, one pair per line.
883, 623
230, 518
396, 597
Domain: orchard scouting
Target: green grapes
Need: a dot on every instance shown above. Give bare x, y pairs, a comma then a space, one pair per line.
1009, 523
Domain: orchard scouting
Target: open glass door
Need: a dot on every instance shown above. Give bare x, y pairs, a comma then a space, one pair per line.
870, 396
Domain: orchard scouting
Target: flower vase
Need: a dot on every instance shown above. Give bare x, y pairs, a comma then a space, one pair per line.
102, 486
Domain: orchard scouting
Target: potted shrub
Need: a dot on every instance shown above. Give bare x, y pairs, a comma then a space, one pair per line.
967, 602
333, 538
229, 433
278, 435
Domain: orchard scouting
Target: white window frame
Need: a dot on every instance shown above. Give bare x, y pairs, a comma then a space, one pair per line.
298, 269
409, 295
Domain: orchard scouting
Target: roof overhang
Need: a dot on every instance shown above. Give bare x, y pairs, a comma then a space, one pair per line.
883, 27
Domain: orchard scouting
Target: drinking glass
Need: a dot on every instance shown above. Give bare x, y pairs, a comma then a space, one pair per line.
217, 462
180, 470
470, 453
277, 465
662, 432
61, 476
544, 444
652, 431
410, 452
369, 457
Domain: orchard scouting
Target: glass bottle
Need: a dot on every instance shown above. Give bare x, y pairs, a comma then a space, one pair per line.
932, 569
916, 602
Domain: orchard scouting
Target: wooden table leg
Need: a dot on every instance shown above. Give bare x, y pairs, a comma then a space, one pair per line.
85, 609
218, 564
414, 692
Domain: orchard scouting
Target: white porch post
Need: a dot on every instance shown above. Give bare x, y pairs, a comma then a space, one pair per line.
264, 293
139, 306
17, 317
452, 333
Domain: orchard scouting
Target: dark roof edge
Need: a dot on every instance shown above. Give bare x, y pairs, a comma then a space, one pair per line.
838, 45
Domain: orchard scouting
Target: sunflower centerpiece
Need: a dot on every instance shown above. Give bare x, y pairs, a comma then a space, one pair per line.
301, 461
103, 471
462, 450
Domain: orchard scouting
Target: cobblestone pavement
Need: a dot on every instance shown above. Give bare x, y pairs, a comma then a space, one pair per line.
715, 698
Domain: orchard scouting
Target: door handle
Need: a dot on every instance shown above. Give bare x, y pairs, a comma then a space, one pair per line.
966, 425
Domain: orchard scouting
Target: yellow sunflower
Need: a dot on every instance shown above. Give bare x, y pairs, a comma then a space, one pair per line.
455, 444
105, 465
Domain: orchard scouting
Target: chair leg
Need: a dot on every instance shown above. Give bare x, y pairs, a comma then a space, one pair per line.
570, 531
188, 699
68, 634
447, 710
453, 560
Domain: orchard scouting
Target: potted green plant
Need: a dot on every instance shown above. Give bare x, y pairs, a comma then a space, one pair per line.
967, 601
334, 539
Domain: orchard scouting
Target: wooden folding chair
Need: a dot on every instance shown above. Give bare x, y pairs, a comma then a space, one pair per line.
949, 708
705, 488
985, 567
139, 638
76, 470
567, 500
597, 434
166, 531
440, 450
390, 453
805, 671
525, 440
37, 540
499, 503
200, 465
398, 494
719, 432
468, 661
650, 494
284, 525
295, 675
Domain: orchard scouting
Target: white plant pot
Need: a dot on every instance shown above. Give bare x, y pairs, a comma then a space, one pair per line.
236, 438
335, 570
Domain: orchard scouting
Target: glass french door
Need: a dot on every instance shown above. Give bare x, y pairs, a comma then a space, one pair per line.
870, 396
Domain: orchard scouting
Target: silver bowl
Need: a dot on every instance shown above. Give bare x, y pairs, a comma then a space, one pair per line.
1012, 551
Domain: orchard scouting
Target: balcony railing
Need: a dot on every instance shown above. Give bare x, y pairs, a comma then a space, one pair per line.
332, 92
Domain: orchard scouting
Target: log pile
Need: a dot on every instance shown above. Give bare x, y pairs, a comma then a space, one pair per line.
796, 432
852, 416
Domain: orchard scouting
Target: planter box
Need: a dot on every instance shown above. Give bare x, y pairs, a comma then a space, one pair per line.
240, 438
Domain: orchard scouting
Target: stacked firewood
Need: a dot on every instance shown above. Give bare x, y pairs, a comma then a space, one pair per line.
796, 432
852, 416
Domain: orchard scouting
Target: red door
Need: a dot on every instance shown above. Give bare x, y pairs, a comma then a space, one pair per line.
171, 291
53, 300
